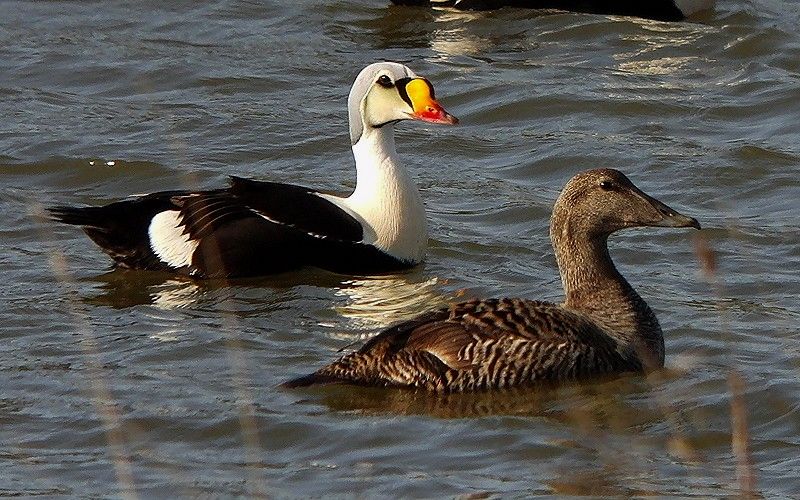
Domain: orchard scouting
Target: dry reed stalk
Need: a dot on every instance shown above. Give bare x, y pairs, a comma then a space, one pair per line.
740, 437
244, 405
234, 355
100, 393
740, 432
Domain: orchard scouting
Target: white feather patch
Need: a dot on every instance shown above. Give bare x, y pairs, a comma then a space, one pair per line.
168, 240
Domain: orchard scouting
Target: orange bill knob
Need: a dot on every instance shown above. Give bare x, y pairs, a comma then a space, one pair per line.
426, 108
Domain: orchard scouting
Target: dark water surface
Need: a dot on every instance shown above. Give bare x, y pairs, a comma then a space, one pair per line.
130, 383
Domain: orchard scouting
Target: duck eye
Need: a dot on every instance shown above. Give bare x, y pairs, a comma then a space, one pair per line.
385, 81
606, 185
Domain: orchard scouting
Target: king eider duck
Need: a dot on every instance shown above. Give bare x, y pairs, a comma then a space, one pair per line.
602, 327
660, 10
256, 228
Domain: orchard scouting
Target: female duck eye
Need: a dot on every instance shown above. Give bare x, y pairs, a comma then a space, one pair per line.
606, 185
384, 81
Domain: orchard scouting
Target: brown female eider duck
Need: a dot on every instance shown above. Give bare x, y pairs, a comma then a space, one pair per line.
255, 228
603, 326
660, 10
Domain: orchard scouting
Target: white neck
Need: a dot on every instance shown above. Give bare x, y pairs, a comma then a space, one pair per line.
386, 199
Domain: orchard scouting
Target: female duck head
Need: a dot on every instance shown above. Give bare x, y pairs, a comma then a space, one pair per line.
599, 202
387, 92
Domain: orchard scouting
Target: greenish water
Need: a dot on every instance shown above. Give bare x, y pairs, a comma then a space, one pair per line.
117, 383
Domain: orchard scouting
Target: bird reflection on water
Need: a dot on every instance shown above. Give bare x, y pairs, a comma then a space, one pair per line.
121, 289
363, 305
602, 404
376, 302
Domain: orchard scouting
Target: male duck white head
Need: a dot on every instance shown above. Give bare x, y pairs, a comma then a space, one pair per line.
385, 199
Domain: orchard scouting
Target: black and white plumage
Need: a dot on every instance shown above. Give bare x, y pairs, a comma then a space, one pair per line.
662, 10
603, 326
255, 228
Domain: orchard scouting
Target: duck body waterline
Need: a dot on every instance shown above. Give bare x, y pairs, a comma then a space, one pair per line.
603, 326
482, 344
660, 10
256, 228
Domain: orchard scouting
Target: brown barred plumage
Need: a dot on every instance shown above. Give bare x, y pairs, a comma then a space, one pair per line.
603, 327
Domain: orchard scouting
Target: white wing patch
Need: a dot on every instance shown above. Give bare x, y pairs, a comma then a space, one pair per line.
168, 240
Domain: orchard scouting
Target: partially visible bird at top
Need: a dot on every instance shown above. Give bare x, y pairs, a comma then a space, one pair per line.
660, 10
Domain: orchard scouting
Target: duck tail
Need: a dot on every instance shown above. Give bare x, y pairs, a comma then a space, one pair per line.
120, 228
77, 216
